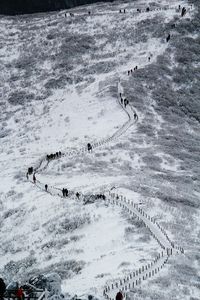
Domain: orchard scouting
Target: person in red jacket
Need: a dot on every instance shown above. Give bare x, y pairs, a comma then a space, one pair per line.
20, 294
119, 296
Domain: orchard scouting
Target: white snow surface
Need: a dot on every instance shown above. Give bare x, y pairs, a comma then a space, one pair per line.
72, 117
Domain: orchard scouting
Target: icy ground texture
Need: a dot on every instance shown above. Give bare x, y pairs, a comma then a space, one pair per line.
58, 89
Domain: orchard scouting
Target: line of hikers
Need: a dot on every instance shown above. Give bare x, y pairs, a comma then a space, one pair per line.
183, 11
131, 70
124, 101
54, 155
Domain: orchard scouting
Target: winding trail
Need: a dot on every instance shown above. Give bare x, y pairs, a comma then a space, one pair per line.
166, 246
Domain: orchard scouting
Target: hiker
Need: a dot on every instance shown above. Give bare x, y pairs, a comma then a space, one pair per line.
63, 192
124, 10
20, 294
122, 101
66, 192
89, 12
135, 116
77, 195
147, 9
168, 38
128, 73
46, 187
27, 176
179, 7
131, 71
89, 146
30, 170
120, 11
136, 67
138, 10
59, 153
2, 288
119, 296
34, 178
149, 58
183, 12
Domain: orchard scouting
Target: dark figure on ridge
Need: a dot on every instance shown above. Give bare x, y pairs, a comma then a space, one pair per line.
89, 146
46, 187
183, 12
34, 178
168, 38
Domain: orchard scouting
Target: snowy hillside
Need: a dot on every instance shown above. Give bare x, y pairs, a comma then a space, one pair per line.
60, 83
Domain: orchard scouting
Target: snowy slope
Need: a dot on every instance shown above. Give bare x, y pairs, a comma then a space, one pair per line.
60, 87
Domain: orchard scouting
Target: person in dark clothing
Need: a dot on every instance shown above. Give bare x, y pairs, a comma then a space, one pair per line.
89, 146
128, 72
27, 175
124, 10
30, 170
168, 38
89, 13
183, 12
66, 192
46, 187
119, 296
34, 178
63, 192
122, 101
78, 195
149, 58
2, 288
120, 11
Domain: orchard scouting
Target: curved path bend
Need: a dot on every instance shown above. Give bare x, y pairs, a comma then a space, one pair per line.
167, 247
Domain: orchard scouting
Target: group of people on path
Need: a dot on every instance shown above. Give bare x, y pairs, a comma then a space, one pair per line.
131, 70
122, 11
123, 101
65, 192
53, 155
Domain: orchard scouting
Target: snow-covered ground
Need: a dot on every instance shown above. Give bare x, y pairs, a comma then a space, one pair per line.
59, 89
